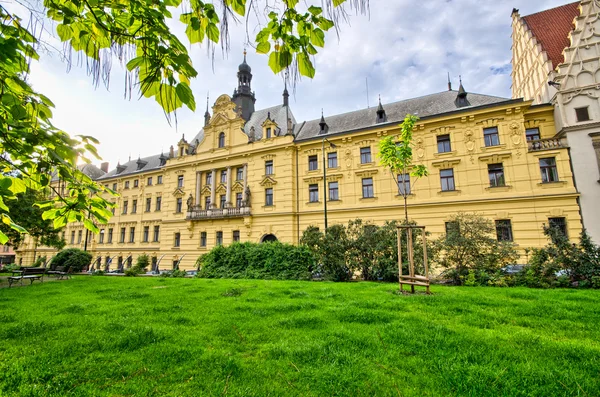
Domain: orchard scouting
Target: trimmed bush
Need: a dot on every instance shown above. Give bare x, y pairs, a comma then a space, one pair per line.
272, 260
72, 258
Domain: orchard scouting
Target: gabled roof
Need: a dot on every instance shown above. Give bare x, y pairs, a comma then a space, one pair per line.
278, 114
551, 29
428, 105
131, 167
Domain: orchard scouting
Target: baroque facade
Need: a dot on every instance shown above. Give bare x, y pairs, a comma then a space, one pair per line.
259, 175
556, 59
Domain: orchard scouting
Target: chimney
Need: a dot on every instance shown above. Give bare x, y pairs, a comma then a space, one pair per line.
104, 167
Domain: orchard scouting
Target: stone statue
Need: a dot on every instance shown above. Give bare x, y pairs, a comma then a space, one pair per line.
247, 195
190, 202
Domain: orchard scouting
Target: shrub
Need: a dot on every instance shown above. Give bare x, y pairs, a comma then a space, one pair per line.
10, 267
39, 262
99, 273
72, 258
470, 252
175, 273
133, 271
272, 260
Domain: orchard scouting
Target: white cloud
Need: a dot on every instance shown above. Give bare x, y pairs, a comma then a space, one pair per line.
405, 49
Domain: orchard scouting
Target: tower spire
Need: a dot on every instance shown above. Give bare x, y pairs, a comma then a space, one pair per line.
449, 83
286, 95
381, 116
206, 114
243, 96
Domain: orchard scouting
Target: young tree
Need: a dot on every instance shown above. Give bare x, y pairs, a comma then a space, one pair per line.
395, 153
138, 34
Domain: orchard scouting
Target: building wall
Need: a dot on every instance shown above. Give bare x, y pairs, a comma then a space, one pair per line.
525, 200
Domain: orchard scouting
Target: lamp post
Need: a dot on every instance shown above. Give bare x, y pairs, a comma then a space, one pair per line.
325, 178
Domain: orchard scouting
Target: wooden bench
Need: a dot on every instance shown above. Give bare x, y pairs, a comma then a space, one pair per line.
59, 272
28, 273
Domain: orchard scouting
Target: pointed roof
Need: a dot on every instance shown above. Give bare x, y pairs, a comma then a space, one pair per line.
551, 29
244, 67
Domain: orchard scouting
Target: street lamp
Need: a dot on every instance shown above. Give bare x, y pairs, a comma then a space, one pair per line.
332, 145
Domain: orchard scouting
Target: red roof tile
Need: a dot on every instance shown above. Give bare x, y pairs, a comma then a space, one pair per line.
551, 29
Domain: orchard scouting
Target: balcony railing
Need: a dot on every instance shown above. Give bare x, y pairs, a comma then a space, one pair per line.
217, 213
547, 144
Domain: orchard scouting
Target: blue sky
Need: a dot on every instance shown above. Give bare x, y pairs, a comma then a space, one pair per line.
404, 48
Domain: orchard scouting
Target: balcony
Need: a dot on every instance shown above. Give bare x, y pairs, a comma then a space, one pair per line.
217, 213
547, 144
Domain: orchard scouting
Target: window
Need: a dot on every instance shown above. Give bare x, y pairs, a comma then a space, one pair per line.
313, 163
504, 230
209, 178
177, 240
156, 233
114, 187
332, 160
238, 200
239, 175
180, 181
101, 238
443, 142
222, 201
452, 227
560, 224
122, 237
202, 239
496, 175
269, 167
222, 139
132, 234
447, 179
224, 176
159, 180
268, 132
207, 202
403, 181
134, 206
79, 236
125, 205
73, 237
532, 134
110, 236
158, 203
219, 238
148, 204
126, 184
582, 114
490, 136
365, 155
146, 234
313, 193
333, 191
136, 182
149, 181
269, 196
236, 236
178, 205
548, 170
367, 188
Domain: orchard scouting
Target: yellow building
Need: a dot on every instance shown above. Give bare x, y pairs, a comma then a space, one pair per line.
257, 175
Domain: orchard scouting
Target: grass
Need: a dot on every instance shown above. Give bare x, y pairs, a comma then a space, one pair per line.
117, 336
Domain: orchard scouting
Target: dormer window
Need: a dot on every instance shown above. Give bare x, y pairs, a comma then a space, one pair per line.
180, 151
268, 132
222, 139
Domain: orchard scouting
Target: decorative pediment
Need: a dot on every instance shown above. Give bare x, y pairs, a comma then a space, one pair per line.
364, 142
534, 123
312, 151
445, 163
221, 188
268, 182
495, 158
334, 177
268, 157
490, 122
313, 180
180, 172
366, 173
442, 130
205, 189
237, 187
178, 192
218, 119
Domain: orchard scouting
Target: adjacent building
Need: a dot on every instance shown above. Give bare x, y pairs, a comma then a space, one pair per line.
260, 175
556, 59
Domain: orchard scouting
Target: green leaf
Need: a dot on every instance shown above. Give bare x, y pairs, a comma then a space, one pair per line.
3, 238
184, 92
239, 7
136, 62
315, 10
337, 3
263, 48
317, 37
89, 225
167, 98
18, 186
305, 66
212, 31
64, 32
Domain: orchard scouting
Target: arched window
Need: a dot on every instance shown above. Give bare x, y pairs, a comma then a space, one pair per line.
222, 139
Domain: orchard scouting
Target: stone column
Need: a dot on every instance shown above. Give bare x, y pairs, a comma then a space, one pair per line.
228, 194
198, 187
213, 188
245, 176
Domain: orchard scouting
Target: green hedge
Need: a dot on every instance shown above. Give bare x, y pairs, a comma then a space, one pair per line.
257, 261
72, 258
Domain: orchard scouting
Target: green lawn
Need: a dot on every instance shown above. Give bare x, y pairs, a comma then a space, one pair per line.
122, 336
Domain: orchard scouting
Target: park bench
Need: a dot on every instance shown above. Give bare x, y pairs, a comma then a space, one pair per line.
59, 272
28, 273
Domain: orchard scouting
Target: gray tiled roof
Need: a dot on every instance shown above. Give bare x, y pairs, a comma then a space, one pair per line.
279, 115
88, 169
131, 167
429, 105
